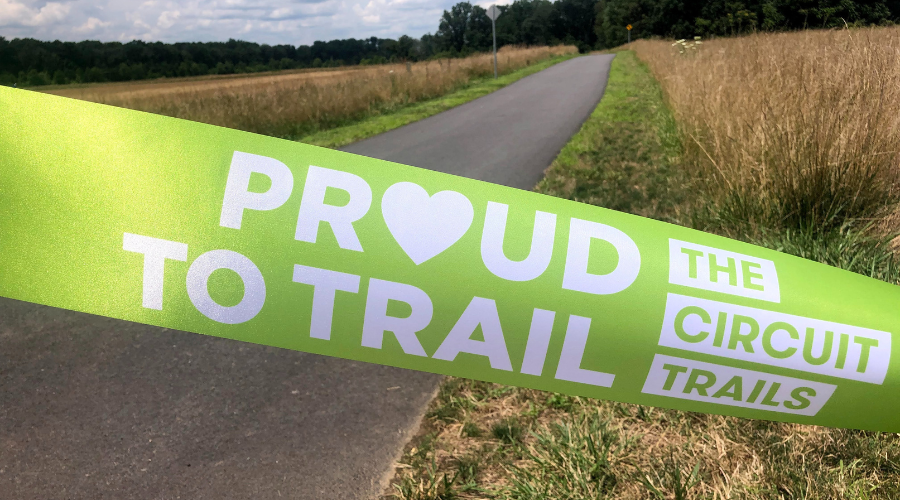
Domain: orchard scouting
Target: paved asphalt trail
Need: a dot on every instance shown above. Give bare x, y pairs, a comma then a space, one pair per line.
508, 137
96, 408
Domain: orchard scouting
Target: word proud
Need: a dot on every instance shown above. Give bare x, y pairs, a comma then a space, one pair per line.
425, 226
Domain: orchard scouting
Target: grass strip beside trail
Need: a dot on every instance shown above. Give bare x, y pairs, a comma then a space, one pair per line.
368, 127
624, 157
482, 440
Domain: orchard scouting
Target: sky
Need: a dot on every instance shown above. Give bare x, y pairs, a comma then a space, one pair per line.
292, 22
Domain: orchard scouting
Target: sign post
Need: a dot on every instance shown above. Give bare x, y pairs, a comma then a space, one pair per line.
493, 12
629, 32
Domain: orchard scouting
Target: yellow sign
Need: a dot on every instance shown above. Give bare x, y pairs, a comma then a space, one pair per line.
628, 27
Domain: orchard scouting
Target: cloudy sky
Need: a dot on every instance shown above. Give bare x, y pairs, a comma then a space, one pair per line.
291, 22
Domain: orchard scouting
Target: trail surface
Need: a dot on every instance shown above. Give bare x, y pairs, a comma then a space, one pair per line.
92, 407
508, 137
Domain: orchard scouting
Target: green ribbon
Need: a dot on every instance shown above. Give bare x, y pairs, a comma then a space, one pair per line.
198, 228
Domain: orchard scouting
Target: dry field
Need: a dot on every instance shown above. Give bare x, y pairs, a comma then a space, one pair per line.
161, 86
295, 103
788, 131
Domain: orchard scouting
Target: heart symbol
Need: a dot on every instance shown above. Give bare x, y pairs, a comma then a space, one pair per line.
423, 225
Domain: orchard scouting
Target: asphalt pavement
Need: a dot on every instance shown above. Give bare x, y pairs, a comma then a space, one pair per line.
508, 137
96, 408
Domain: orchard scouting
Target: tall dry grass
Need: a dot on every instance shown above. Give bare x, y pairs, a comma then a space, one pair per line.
292, 104
788, 131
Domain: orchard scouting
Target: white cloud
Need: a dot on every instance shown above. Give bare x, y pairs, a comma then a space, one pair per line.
167, 19
13, 13
51, 13
91, 24
281, 12
291, 22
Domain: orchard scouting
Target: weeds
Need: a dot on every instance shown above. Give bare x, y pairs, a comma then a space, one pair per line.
431, 485
848, 247
471, 430
573, 460
507, 431
668, 476
788, 132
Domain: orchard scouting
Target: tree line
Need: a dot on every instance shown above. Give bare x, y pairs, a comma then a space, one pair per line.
689, 18
462, 30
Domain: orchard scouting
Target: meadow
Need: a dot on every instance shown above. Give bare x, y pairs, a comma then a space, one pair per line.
789, 141
788, 133
295, 104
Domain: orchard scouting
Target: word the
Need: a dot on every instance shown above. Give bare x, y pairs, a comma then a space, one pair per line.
717, 270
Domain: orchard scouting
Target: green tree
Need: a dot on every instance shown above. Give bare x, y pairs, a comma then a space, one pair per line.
462, 29
478, 31
453, 27
542, 25
576, 22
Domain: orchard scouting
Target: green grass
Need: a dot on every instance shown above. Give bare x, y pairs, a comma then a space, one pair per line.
624, 157
859, 249
569, 459
530, 445
398, 117
507, 431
